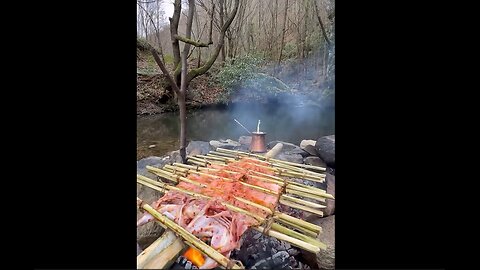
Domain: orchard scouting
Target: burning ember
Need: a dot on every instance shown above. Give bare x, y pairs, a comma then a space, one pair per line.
219, 202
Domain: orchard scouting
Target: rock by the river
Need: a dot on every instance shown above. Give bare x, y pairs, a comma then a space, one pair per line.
175, 156
304, 143
330, 210
297, 151
245, 140
296, 158
286, 145
227, 144
311, 150
148, 233
198, 148
315, 161
325, 259
325, 147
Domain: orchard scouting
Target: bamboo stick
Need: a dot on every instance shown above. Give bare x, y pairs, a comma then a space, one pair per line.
297, 221
300, 222
261, 219
205, 160
267, 191
221, 159
189, 237
225, 155
217, 157
151, 186
271, 159
279, 228
174, 177
300, 165
305, 231
197, 162
291, 221
297, 190
306, 203
162, 253
305, 195
292, 241
194, 167
287, 165
266, 209
280, 171
301, 207
286, 172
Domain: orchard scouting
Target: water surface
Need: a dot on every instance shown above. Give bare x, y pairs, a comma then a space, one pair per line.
284, 123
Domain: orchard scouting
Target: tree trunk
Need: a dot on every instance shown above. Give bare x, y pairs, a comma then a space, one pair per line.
283, 32
184, 83
174, 20
221, 13
183, 125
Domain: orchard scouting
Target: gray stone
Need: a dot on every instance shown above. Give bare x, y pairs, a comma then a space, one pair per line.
330, 210
198, 148
297, 151
315, 161
245, 140
325, 259
175, 156
296, 158
325, 147
304, 143
286, 146
310, 149
226, 144
149, 232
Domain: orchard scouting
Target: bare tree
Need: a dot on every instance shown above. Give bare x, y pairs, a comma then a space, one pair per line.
180, 60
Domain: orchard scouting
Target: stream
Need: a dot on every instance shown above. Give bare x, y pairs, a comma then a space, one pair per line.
158, 134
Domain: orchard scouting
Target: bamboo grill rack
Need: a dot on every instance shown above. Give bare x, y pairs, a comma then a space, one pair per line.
295, 231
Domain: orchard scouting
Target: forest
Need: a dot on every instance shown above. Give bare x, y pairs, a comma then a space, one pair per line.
266, 47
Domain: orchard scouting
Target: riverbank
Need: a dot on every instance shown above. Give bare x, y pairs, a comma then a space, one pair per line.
154, 95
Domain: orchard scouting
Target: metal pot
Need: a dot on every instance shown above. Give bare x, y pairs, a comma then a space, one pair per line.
258, 142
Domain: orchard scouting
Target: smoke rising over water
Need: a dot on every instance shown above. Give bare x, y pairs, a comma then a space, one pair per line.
285, 123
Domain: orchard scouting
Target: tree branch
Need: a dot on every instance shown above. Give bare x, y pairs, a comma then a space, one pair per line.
174, 20
321, 24
201, 70
191, 42
146, 46
210, 41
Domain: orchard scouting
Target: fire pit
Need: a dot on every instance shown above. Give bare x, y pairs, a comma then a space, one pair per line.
239, 198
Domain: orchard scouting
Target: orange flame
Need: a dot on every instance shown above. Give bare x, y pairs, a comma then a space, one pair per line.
195, 256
